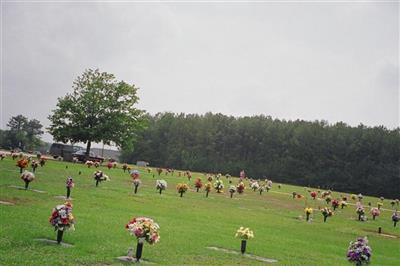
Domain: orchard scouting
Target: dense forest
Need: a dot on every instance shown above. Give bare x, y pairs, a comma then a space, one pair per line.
350, 159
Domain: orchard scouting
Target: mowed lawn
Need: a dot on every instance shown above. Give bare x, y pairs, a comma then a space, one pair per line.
188, 224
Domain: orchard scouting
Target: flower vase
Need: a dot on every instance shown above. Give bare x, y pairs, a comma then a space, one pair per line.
26, 184
243, 246
59, 235
139, 250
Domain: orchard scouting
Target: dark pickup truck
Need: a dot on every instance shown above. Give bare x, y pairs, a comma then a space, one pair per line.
81, 156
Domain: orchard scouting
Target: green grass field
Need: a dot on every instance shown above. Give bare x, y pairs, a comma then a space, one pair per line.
188, 224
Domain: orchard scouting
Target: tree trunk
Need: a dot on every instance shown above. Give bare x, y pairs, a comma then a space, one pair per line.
87, 150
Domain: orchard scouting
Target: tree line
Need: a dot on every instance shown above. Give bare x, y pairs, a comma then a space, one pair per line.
22, 133
351, 159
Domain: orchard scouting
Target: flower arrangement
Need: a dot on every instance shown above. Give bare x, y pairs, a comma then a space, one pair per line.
240, 187
375, 212
268, 184
254, 185
328, 199
110, 165
209, 178
242, 175
353, 196
261, 189
69, 184
395, 218
62, 219
144, 229
359, 252
299, 196
218, 185
134, 174
344, 198
379, 204
159, 171
148, 170
244, 234
99, 177
27, 177
335, 204
326, 194
198, 184
136, 183
207, 188
161, 185
232, 190
14, 155
313, 194
34, 165
182, 188
343, 204
22, 164
294, 193
360, 211
189, 175
360, 196
326, 212
382, 198
308, 212
2, 156
75, 160
124, 167
96, 164
89, 164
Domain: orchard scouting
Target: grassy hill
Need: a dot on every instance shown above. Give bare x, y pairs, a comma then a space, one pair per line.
188, 224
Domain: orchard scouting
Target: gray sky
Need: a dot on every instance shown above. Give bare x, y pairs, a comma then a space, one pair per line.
331, 61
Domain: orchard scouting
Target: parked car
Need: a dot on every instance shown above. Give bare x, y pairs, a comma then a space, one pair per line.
81, 156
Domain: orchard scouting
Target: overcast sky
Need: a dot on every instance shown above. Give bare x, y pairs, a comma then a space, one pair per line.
331, 61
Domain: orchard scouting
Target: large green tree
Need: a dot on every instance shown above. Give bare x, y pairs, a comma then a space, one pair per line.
100, 109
